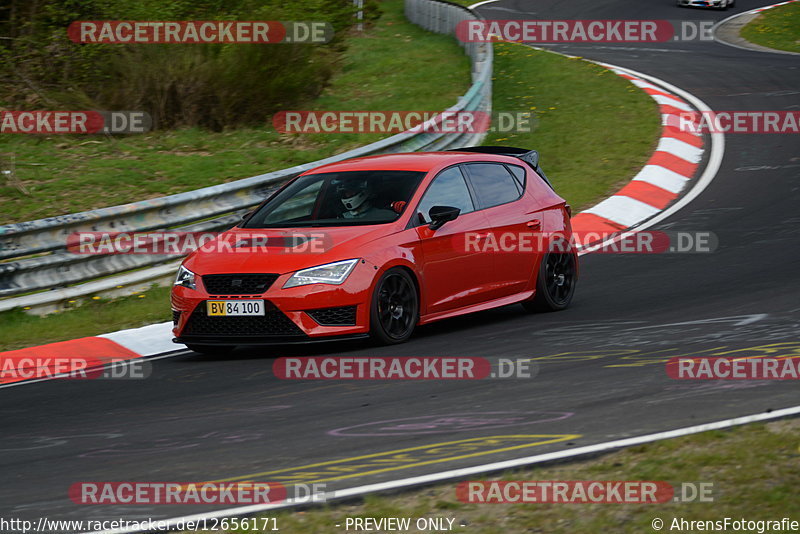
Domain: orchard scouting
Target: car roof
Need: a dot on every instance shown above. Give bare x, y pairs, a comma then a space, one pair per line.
411, 161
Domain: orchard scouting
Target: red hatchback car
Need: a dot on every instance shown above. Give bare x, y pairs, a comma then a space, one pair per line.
375, 246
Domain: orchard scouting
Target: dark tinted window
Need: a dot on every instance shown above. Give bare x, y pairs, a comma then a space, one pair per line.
447, 189
493, 184
338, 199
519, 176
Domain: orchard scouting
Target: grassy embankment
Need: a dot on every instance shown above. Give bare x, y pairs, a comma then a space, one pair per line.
777, 28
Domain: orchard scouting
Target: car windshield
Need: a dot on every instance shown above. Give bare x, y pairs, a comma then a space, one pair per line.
338, 199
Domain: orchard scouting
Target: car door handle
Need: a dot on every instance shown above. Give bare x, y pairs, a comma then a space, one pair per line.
535, 223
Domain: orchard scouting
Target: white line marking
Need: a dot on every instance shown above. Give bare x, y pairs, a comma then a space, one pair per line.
663, 178
473, 6
147, 340
678, 148
480, 469
623, 210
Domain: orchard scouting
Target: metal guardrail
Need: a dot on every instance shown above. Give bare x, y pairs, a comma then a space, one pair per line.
33, 255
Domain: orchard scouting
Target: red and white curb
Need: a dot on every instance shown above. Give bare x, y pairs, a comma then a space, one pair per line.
37, 364
668, 172
648, 198
760, 9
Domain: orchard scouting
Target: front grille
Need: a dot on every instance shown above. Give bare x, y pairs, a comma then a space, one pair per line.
238, 284
176, 315
341, 316
272, 323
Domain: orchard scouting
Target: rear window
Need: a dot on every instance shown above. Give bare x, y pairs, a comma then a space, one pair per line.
493, 183
519, 176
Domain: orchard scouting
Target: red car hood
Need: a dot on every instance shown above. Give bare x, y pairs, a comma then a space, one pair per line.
245, 250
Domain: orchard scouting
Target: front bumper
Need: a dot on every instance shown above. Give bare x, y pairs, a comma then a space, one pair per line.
702, 3
296, 315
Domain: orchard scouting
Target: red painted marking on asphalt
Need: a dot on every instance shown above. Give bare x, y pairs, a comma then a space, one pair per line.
15, 364
653, 92
670, 110
673, 163
589, 222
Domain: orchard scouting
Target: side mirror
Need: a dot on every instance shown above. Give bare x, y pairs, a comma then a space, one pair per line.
248, 214
441, 214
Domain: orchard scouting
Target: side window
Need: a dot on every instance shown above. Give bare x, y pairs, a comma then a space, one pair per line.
447, 189
493, 184
519, 176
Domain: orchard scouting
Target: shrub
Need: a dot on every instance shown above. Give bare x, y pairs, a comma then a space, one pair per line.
215, 86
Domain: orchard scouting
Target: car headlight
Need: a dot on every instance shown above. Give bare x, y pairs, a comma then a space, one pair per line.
185, 278
330, 273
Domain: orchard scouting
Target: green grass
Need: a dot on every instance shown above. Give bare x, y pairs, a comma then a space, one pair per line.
777, 28
97, 316
395, 65
593, 129
754, 470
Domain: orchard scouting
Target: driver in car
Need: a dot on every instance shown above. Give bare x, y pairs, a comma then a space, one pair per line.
357, 200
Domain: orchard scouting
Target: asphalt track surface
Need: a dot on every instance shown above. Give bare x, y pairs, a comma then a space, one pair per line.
601, 363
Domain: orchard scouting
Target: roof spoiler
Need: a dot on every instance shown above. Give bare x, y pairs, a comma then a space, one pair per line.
531, 157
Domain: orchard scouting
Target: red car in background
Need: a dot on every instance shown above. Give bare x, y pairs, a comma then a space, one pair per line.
375, 246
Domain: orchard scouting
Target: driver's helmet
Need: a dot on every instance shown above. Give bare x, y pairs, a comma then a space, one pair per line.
353, 193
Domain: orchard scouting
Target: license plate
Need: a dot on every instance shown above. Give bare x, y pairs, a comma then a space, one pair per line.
232, 308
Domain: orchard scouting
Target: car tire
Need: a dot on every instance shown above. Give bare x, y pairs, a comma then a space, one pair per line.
555, 283
210, 350
394, 309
